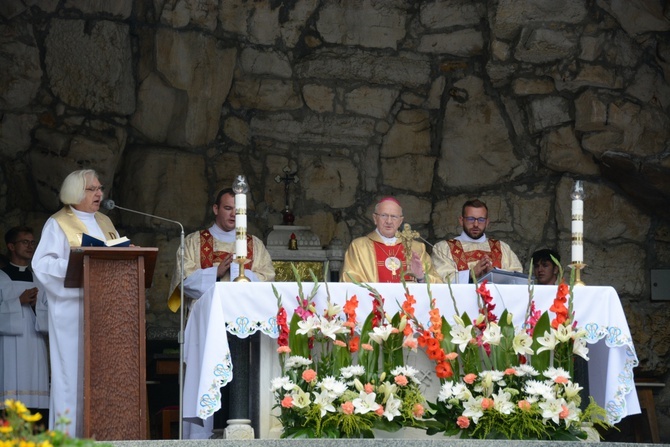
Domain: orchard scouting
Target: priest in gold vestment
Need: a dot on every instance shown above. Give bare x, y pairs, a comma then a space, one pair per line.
380, 256
208, 255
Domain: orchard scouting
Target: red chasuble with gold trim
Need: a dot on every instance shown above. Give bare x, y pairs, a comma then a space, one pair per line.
462, 258
208, 256
390, 261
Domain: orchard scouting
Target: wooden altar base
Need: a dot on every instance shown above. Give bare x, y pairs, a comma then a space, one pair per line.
437, 442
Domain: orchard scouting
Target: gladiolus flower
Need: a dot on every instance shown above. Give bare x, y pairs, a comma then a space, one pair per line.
354, 344
340, 343
443, 370
410, 343
452, 356
284, 350
463, 422
367, 346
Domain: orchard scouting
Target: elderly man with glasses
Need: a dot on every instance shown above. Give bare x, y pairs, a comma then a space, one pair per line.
380, 256
81, 195
454, 259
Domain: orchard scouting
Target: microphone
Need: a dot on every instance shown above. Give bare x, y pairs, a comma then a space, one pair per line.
109, 204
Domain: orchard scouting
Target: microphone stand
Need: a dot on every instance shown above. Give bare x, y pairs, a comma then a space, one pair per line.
180, 337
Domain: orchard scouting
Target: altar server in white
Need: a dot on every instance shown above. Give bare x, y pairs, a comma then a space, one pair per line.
24, 367
81, 194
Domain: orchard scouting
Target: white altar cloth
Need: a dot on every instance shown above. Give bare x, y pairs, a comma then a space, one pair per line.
244, 308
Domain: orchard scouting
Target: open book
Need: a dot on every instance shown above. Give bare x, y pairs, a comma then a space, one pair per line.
499, 276
90, 241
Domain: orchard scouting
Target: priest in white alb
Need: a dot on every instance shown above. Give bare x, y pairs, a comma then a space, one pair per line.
380, 255
81, 195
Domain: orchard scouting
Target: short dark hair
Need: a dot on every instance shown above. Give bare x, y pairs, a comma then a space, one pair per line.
545, 254
223, 192
13, 233
475, 203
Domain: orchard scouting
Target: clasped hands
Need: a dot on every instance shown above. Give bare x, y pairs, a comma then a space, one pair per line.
482, 267
29, 296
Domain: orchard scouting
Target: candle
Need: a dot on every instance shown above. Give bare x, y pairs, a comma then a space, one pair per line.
241, 248
240, 187
577, 223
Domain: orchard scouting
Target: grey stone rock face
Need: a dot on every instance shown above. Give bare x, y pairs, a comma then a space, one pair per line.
21, 72
89, 65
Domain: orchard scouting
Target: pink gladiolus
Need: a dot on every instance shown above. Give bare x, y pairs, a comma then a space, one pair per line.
452, 356
284, 350
347, 408
367, 346
340, 343
463, 422
287, 402
400, 380
410, 343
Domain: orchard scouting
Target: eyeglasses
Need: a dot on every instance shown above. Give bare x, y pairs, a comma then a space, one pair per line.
95, 188
470, 219
27, 242
393, 217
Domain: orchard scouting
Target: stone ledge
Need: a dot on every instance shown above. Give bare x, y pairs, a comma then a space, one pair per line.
437, 442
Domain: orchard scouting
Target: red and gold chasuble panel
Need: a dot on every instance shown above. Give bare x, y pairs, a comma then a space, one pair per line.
390, 261
462, 258
209, 257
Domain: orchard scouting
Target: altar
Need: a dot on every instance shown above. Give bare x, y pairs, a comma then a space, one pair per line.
241, 309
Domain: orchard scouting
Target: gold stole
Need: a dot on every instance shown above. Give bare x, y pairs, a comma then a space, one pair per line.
74, 228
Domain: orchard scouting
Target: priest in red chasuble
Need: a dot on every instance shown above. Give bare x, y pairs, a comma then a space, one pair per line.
380, 256
472, 250
208, 255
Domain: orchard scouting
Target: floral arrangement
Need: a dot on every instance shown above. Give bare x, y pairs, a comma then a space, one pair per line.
18, 429
497, 381
338, 384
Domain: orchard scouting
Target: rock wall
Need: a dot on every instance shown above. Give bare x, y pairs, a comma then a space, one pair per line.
434, 102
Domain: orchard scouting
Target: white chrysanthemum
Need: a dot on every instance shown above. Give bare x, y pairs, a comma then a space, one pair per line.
526, 370
352, 371
462, 392
579, 348
381, 333
325, 402
365, 403
446, 392
555, 373
461, 336
522, 343
330, 328
548, 342
502, 402
492, 334
392, 408
537, 388
308, 326
408, 371
296, 361
551, 409
281, 383
472, 408
335, 388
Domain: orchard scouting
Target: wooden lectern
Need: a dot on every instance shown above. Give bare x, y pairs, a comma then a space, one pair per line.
114, 282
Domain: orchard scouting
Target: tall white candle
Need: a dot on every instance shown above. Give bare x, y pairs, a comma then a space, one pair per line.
240, 187
241, 248
577, 223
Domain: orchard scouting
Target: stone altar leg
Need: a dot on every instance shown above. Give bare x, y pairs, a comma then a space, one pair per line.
239, 424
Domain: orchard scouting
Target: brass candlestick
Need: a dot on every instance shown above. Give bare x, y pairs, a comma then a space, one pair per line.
578, 266
241, 277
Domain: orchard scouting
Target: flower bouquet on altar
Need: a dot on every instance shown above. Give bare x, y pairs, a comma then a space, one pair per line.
336, 383
514, 383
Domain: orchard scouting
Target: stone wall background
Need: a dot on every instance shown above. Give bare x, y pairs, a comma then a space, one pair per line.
434, 102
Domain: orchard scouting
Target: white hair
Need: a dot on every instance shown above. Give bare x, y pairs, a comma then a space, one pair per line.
73, 190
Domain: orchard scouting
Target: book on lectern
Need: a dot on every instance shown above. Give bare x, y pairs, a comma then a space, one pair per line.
500, 276
90, 241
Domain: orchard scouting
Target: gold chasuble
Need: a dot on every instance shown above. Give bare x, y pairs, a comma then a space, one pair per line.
75, 228
368, 259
